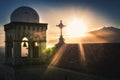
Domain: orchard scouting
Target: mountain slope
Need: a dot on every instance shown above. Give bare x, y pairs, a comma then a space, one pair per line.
104, 35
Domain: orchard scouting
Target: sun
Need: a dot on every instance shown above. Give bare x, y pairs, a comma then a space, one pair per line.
76, 28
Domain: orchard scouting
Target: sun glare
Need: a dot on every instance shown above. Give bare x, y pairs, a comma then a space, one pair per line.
76, 28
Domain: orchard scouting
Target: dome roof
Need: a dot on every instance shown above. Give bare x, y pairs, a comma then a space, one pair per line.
25, 14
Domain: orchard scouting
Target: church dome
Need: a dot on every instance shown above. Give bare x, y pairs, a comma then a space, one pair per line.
25, 14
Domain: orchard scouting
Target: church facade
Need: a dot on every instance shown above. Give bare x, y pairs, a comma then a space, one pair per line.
25, 37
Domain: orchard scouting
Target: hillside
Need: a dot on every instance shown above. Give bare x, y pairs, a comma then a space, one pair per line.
103, 35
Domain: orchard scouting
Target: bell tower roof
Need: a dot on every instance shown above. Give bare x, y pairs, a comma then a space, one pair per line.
24, 14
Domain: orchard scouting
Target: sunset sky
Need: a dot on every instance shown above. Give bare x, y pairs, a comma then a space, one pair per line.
92, 14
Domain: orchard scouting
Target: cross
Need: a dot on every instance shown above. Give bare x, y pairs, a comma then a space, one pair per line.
60, 26
61, 39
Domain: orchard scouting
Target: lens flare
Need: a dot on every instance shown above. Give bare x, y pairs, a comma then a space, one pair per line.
76, 28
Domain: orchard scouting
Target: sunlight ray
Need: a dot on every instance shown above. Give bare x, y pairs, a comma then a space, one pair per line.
82, 53
58, 55
56, 58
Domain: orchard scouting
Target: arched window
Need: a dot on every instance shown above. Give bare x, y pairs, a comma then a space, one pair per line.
24, 47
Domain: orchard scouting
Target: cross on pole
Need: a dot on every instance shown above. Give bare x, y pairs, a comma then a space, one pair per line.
61, 39
60, 26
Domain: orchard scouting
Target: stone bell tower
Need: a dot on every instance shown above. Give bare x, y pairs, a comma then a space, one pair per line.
25, 37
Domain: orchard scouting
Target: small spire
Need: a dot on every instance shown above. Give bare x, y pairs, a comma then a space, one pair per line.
60, 21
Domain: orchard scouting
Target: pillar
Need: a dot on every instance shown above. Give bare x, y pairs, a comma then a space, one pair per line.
16, 52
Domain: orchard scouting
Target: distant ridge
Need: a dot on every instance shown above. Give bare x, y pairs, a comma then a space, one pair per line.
103, 35
107, 29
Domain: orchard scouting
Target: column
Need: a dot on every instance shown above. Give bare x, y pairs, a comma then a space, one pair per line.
16, 52
8, 52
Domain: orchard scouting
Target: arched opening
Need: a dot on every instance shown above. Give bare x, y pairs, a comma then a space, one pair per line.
24, 47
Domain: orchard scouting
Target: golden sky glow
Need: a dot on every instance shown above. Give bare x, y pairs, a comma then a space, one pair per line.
76, 28
85, 17
2, 35
77, 21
